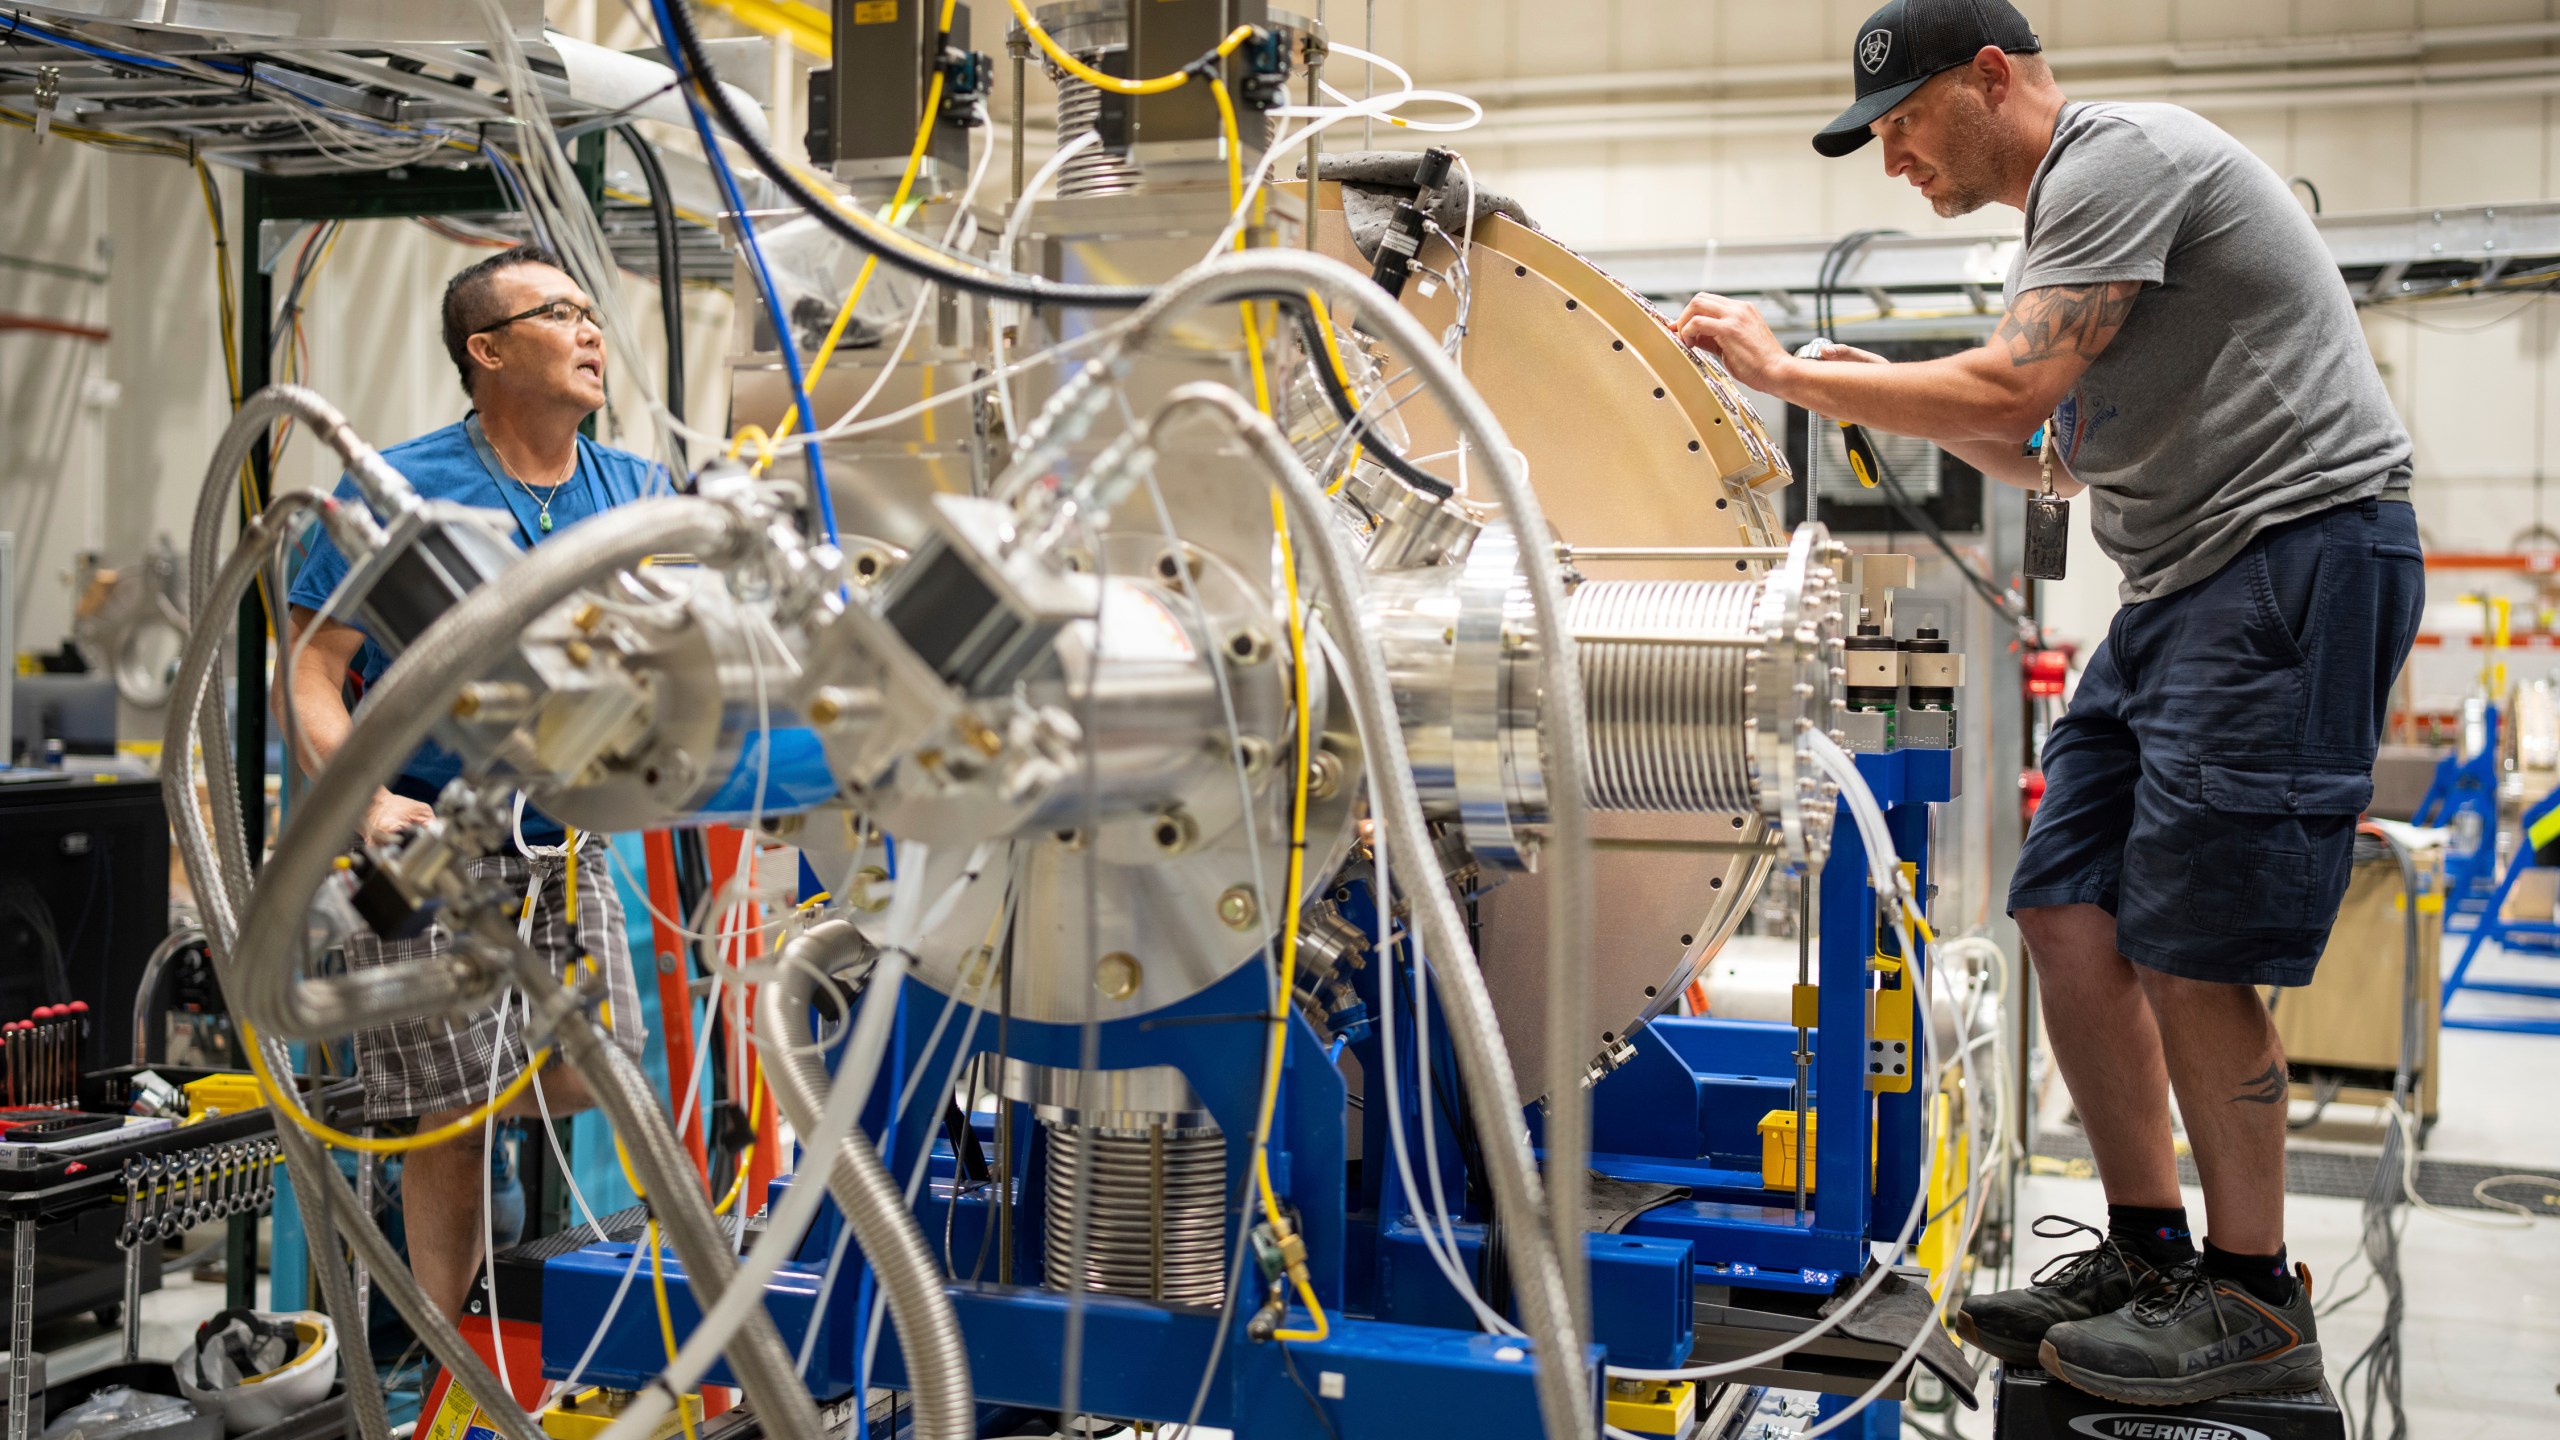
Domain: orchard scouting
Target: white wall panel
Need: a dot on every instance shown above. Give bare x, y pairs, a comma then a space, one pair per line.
2481, 12
166, 357
2313, 16
1759, 34
1553, 39
2489, 150
1663, 34
52, 459
2361, 157
2085, 23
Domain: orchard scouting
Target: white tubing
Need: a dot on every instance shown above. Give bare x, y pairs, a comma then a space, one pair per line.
790, 1220
1038, 182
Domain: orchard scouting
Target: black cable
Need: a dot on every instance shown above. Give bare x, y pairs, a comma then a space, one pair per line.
1292, 1367
1835, 262
662, 214
1371, 442
917, 257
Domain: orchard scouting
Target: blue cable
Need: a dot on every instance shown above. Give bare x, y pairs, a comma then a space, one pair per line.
755, 258
122, 57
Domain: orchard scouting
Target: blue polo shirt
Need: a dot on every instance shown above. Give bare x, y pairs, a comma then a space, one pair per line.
457, 464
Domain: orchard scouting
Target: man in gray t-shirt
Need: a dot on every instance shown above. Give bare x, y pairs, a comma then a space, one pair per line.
2175, 315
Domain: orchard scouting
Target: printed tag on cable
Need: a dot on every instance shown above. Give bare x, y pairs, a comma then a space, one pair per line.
2048, 539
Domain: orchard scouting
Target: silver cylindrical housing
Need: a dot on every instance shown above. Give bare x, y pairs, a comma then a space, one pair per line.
1664, 668
1151, 1167
1156, 1215
1694, 692
1094, 170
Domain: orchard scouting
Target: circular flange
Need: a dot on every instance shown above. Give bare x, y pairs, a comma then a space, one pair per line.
1796, 670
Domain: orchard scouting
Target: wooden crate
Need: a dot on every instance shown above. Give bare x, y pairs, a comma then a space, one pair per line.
2346, 1022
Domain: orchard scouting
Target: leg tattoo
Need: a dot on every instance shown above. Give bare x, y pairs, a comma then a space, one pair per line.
2268, 1087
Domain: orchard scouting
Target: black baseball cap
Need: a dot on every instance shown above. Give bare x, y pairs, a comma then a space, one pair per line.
1908, 41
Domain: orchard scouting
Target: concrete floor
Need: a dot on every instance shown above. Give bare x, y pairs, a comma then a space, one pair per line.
76, 1346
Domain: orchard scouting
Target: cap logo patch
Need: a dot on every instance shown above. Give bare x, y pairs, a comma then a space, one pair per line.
1873, 47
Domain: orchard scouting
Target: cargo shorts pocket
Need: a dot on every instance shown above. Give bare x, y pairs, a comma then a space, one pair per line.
2273, 840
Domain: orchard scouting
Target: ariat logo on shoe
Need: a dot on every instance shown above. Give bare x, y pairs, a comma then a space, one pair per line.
2258, 1341
2121, 1426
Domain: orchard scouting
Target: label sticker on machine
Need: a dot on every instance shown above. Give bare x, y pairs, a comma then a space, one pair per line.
457, 1417
1135, 625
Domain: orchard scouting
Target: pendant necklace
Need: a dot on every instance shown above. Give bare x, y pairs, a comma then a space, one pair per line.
542, 502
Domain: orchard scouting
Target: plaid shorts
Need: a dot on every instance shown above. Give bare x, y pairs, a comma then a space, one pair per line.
418, 1067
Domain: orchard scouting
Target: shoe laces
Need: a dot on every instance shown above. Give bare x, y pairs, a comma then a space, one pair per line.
2184, 1288
2067, 1269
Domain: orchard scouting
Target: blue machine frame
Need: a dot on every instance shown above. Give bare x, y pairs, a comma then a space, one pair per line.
2531, 937
1403, 1354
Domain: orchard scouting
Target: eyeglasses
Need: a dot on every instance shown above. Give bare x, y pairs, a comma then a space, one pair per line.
558, 312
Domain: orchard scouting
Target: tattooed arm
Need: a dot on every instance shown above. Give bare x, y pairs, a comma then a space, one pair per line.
1974, 402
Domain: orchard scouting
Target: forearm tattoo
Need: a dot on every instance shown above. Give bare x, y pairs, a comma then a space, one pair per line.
2056, 320
2267, 1088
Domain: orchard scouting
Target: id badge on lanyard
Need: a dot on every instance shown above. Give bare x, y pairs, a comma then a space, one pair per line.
2048, 537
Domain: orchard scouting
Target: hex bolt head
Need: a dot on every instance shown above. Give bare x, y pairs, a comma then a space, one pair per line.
1237, 909
1118, 975
1324, 775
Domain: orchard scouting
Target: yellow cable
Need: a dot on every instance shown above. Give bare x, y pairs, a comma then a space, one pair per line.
1235, 201
229, 310
746, 1157
1289, 928
870, 262
1349, 468
292, 1110
1298, 801
666, 1318
1332, 347
1342, 377
1113, 84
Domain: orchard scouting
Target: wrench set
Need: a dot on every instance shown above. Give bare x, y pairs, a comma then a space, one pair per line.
166, 1195
40, 1056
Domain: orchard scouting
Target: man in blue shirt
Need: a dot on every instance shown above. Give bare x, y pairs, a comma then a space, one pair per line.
525, 340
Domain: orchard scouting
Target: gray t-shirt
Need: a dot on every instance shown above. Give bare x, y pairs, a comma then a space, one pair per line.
2240, 392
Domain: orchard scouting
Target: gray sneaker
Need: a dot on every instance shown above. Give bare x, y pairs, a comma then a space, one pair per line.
2197, 1338
2011, 1324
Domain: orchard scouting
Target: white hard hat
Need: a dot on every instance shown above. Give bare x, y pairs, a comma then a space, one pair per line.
255, 1369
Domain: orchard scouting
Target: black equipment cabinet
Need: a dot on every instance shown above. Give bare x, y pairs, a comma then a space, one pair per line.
84, 898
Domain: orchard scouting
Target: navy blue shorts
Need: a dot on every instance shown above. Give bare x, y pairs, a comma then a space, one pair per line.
2205, 785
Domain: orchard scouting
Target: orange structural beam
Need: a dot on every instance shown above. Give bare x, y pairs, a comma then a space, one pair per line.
2534, 562
724, 846
2521, 640
675, 983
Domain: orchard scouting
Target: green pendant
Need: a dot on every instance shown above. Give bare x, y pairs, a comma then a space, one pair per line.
546, 522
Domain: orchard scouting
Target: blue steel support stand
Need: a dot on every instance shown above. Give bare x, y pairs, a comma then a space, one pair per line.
1685, 1109
1140, 1360
1403, 1355
2463, 798
2532, 937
